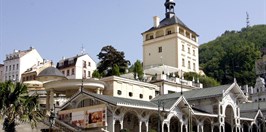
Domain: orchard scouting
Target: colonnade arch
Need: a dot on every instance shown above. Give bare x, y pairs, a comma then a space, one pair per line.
131, 121
207, 126
229, 120
175, 124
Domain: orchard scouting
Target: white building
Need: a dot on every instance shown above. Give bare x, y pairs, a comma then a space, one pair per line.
170, 42
77, 67
2, 72
19, 61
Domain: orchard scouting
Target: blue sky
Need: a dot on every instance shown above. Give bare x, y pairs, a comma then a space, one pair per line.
58, 28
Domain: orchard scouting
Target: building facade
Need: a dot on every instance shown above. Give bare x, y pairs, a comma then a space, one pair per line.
77, 67
18, 62
32, 72
170, 42
2, 67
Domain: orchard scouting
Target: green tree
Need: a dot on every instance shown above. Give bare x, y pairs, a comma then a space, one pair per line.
138, 70
96, 74
233, 55
115, 70
205, 80
108, 57
17, 105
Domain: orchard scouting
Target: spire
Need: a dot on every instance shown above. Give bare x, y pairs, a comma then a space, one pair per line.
169, 8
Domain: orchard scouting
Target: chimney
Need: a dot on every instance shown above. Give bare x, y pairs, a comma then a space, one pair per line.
156, 21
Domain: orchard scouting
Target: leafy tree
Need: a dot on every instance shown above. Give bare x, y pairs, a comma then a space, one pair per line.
96, 74
205, 80
138, 70
17, 105
108, 57
115, 70
233, 55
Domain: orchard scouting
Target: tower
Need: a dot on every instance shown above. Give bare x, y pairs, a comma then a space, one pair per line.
169, 8
170, 42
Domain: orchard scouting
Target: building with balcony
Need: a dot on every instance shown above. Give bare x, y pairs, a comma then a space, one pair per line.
77, 67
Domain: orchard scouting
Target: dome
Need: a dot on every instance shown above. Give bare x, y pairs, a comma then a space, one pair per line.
51, 71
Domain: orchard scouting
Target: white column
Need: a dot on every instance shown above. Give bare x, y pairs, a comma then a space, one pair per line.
181, 129
147, 125
51, 101
121, 124
212, 127
48, 101
186, 128
201, 128
140, 123
168, 126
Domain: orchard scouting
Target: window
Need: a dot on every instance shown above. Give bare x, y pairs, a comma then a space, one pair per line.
10, 68
89, 63
119, 92
84, 74
67, 72
183, 62
130, 94
194, 66
188, 50
188, 64
63, 72
160, 49
169, 32
183, 48
84, 64
17, 66
89, 73
151, 37
73, 71
150, 97
194, 52
6, 68
141, 96
13, 67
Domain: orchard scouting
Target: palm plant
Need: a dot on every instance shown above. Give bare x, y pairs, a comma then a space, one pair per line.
17, 106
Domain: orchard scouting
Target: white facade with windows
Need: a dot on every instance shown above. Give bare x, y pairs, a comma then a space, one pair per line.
18, 62
77, 67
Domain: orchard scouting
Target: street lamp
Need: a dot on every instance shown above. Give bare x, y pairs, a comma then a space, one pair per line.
159, 114
52, 118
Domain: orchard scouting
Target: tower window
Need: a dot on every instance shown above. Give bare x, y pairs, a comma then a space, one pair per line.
119, 92
169, 32
151, 37
160, 49
130, 94
141, 96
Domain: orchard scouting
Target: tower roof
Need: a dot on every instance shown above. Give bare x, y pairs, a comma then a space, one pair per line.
170, 21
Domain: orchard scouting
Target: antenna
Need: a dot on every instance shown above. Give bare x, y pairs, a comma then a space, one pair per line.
82, 50
247, 19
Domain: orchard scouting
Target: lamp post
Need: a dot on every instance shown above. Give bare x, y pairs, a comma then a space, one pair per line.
159, 115
52, 118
